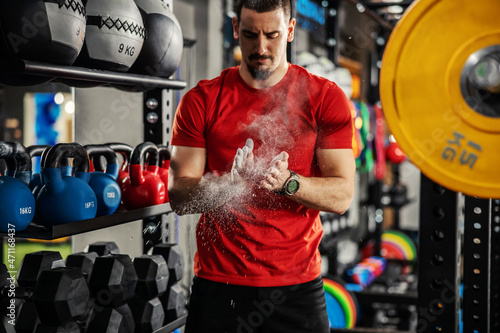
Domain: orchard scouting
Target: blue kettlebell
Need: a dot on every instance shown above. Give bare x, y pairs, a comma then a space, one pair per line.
104, 183
17, 204
36, 180
64, 199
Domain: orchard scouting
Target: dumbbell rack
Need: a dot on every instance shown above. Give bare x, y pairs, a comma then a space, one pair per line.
153, 86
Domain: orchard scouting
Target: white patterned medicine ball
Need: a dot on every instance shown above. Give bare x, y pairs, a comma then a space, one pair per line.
115, 35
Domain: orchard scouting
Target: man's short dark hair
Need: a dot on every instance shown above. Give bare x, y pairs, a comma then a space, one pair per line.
263, 6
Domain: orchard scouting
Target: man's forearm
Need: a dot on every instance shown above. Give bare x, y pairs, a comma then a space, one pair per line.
200, 195
329, 194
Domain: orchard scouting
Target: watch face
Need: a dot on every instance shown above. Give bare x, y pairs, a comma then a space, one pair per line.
293, 186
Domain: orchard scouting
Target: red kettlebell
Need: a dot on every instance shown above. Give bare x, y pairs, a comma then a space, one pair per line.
164, 164
91, 166
143, 187
394, 153
125, 151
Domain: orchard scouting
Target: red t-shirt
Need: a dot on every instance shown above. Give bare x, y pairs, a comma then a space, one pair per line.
260, 238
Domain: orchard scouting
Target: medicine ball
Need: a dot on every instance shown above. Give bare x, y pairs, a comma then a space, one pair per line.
49, 31
162, 50
114, 37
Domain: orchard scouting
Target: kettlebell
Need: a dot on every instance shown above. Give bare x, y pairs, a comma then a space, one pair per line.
17, 204
11, 165
164, 164
143, 188
36, 180
124, 150
64, 199
104, 184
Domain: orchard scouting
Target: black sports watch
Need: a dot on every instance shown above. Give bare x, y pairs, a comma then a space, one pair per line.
291, 185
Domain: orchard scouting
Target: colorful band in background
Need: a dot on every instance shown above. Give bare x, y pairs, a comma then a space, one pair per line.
395, 245
340, 305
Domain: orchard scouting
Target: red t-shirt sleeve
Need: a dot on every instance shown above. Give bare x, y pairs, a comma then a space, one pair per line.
189, 121
334, 120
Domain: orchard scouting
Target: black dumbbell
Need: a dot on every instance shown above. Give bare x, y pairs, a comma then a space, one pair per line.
111, 320
112, 283
172, 254
60, 295
103, 248
148, 315
153, 276
174, 303
82, 260
85, 260
32, 265
113, 280
174, 299
27, 319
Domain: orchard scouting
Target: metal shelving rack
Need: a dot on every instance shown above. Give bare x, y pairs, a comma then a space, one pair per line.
173, 325
458, 261
156, 90
36, 231
86, 75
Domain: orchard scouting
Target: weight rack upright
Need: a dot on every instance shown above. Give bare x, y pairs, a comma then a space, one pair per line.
458, 231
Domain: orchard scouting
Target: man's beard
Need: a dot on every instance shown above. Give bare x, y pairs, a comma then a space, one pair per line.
257, 73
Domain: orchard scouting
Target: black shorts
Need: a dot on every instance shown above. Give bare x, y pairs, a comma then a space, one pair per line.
223, 308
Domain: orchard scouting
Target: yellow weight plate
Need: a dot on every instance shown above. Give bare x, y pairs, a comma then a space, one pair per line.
437, 117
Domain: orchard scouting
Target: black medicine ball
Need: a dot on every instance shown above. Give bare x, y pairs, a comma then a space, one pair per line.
162, 50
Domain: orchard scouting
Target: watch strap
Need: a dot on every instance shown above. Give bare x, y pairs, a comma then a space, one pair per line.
285, 191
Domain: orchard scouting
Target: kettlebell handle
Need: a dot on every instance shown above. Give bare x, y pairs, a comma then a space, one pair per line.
59, 151
15, 155
164, 154
6, 152
101, 150
17, 159
139, 153
136, 166
36, 150
42, 150
21, 156
122, 148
